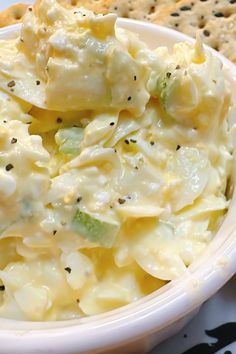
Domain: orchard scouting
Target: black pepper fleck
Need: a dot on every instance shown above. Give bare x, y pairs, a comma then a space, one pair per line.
177, 67
112, 123
168, 75
232, 1
135, 77
38, 82
174, 14
178, 147
11, 83
214, 81
133, 141
9, 167
54, 232
22, 40
30, 9
59, 120
129, 98
121, 201
152, 143
79, 199
13, 141
68, 269
127, 141
2, 287
136, 167
206, 33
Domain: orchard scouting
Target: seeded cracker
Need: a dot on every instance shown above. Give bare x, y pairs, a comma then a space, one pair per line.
215, 19
12, 14
137, 9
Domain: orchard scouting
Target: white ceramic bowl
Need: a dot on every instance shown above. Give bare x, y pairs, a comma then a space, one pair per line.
138, 327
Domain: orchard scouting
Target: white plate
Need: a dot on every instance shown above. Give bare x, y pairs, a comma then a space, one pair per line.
217, 315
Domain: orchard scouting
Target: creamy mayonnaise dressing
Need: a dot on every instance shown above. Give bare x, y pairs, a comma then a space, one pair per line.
114, 162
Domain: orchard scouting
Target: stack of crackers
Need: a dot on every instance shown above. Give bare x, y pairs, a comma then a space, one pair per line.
215, 19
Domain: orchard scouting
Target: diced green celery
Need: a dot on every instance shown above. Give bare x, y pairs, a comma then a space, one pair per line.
166, 84
100, 232
69, 140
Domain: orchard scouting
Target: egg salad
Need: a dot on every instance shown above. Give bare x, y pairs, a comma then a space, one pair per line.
114, 163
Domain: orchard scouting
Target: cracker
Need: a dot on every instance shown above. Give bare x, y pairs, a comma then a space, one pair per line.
12, 15
214, 19
136, 9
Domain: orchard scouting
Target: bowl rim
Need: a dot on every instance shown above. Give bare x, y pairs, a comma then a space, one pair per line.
153, 312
